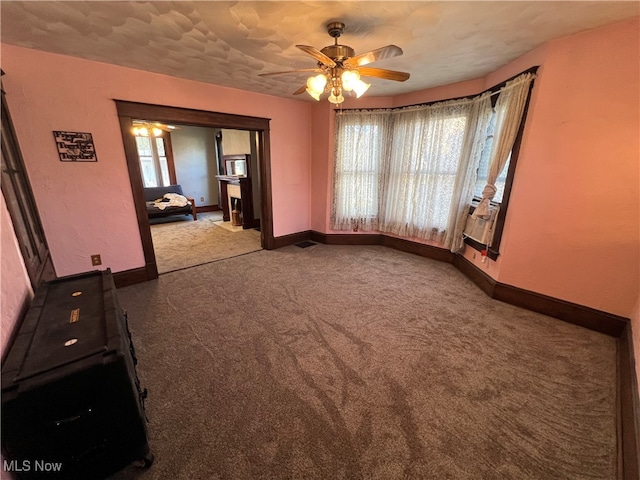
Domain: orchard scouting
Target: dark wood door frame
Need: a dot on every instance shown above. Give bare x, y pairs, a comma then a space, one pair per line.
128, 111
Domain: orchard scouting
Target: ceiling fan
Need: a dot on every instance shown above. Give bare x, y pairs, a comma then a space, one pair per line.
339, 68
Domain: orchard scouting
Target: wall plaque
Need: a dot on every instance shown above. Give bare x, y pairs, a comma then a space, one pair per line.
75, 147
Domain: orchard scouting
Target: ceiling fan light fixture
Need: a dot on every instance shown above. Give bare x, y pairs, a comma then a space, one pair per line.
316, 84
360, 87
141, 131
315, 95
349, 79
336, 99
339, 66
149, 129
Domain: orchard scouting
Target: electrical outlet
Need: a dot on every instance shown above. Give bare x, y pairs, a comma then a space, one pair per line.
202, 199
96, 260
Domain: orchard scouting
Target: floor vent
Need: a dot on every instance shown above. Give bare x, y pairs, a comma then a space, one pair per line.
305, 244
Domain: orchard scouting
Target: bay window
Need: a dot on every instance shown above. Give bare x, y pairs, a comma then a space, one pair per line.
413, 171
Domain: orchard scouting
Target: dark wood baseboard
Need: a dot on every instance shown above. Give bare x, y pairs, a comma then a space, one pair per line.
574, 313
628, 409
587, 317
207, 208
416, 248
285, 240
477, 276
396, 243
130, 277
346, 238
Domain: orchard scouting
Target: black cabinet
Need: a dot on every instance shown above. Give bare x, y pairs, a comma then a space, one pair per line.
72, 405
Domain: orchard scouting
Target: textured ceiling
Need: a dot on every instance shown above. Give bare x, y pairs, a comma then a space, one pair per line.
230, 43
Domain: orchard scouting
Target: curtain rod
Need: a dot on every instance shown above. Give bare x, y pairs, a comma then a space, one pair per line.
522, 77
525, 78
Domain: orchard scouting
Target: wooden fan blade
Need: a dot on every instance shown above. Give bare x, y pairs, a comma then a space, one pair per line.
381, 73
318, 55
302, 89
382, 53
302, 70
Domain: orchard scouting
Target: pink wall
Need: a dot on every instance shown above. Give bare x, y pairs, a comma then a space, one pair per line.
460, 89
321, 163
87, 208
14, 281
573, 220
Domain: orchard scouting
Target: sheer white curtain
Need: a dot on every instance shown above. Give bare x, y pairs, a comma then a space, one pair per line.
474, 140
409, 171
427, 143
509, 110
362, 146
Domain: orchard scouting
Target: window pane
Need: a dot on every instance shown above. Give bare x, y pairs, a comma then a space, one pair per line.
359, 155
164, 170
160, 145
501, 181
148, 172
144, 146
424, 164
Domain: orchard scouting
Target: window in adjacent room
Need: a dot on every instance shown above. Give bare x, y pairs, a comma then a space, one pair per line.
153, 161
155, 156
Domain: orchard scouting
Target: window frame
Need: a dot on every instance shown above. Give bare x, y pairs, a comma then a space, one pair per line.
373, 208
493, 252
168, 150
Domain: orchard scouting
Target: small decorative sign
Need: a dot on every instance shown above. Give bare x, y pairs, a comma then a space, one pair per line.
75, 147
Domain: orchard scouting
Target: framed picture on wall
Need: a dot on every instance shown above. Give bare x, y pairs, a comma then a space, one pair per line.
75, 147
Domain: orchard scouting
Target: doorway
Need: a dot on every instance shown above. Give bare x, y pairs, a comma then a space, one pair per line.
188, 156
130, 111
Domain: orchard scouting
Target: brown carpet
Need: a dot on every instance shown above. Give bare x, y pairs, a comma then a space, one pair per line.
338, 362
180, 242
